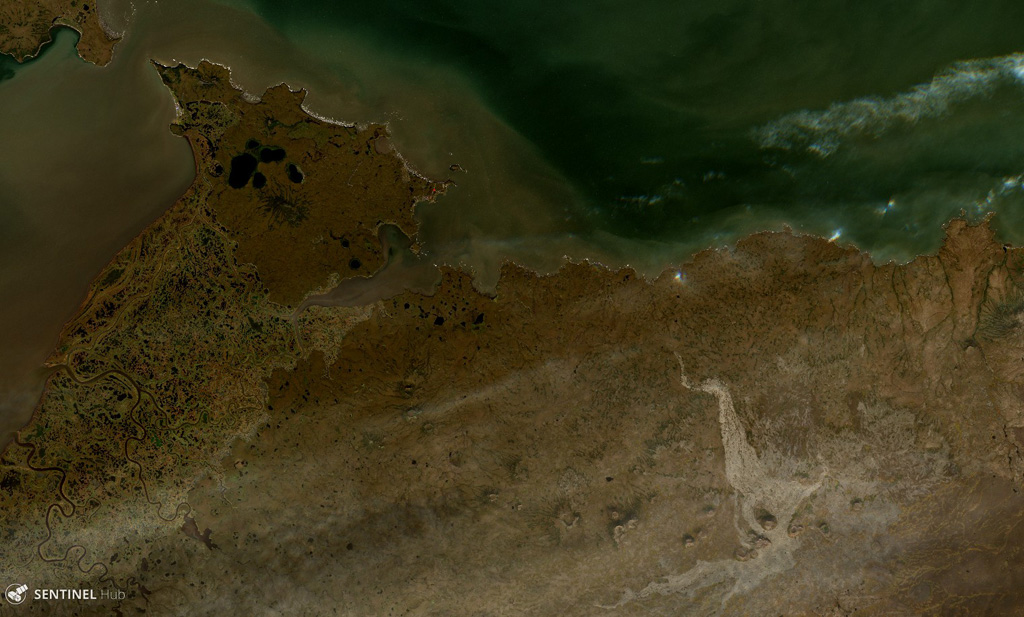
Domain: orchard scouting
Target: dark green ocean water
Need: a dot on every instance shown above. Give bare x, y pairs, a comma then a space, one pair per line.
7, 67
680, 120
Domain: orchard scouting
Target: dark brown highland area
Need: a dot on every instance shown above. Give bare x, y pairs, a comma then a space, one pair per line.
782, 428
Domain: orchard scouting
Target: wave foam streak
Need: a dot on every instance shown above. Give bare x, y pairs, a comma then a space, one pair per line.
822, 132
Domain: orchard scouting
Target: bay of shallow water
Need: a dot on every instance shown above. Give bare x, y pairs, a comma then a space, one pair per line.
86, 163
630, 133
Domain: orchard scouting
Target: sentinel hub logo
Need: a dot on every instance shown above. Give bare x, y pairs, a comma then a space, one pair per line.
19, 592
16, 593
